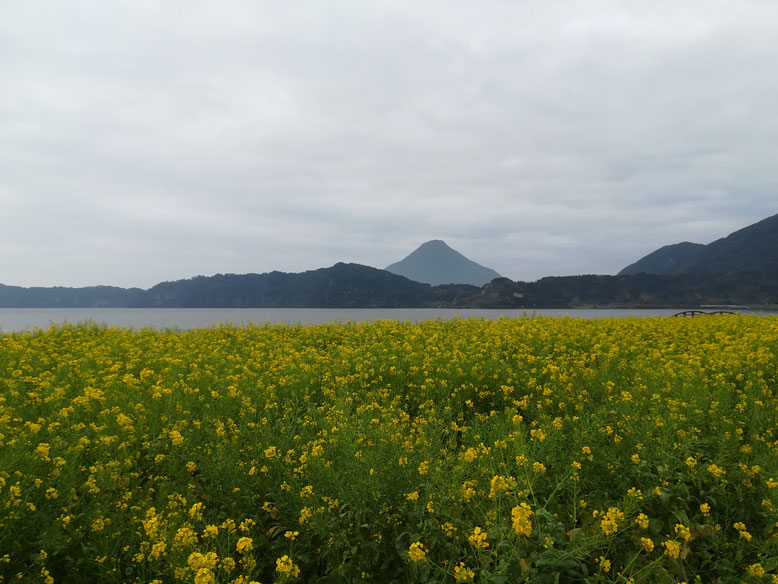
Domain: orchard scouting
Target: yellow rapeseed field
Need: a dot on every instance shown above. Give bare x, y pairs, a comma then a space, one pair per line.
535, 449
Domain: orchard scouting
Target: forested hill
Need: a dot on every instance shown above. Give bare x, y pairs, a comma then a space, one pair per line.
339, 286
62, 297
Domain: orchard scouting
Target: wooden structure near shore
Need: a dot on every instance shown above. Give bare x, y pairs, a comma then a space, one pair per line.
702, 313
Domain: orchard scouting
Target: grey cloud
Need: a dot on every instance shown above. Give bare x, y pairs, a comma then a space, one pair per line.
146, 141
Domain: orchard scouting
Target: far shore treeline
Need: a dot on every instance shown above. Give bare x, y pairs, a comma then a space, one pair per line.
356, 286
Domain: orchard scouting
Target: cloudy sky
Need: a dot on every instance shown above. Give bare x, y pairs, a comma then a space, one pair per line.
143, 141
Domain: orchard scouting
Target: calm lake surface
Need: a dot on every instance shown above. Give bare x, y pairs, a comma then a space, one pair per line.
20, 319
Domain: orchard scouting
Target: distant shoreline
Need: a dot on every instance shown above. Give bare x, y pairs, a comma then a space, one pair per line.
19, 320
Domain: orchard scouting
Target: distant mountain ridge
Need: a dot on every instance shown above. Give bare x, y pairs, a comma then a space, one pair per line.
740, 269
436, 263
751, 249
339, 286
342, 285
356, 286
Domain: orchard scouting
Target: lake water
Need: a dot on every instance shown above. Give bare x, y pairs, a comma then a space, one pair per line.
20, 319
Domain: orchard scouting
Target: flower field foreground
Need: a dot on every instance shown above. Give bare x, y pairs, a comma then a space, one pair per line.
551, 450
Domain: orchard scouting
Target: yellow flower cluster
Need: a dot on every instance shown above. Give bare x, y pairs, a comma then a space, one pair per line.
742, 530
756, 570
683, 531
521, 516
672, 548
463, 573
610, 522
499, 484
287, 567
197, 560
478, 539
245, 544
416, 552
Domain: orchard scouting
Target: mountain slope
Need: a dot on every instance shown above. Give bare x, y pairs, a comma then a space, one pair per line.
751, 249
436, 263
670, 259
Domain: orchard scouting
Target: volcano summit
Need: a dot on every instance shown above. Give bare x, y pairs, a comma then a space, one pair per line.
436, 263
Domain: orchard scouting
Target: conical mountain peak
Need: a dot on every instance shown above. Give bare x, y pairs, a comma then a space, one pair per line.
435, 262
432, 243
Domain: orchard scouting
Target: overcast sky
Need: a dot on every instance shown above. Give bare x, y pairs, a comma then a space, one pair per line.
146, 141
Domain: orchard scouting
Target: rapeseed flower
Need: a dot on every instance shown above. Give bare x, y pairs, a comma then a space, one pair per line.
756, 570
610, 523
478, 539
742, 530
185, 536
605, 564
462, 573
204, 576
197, 560
244, 544
176, 438
499, 484
521, 519
672, 548
416, 552
285, 566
